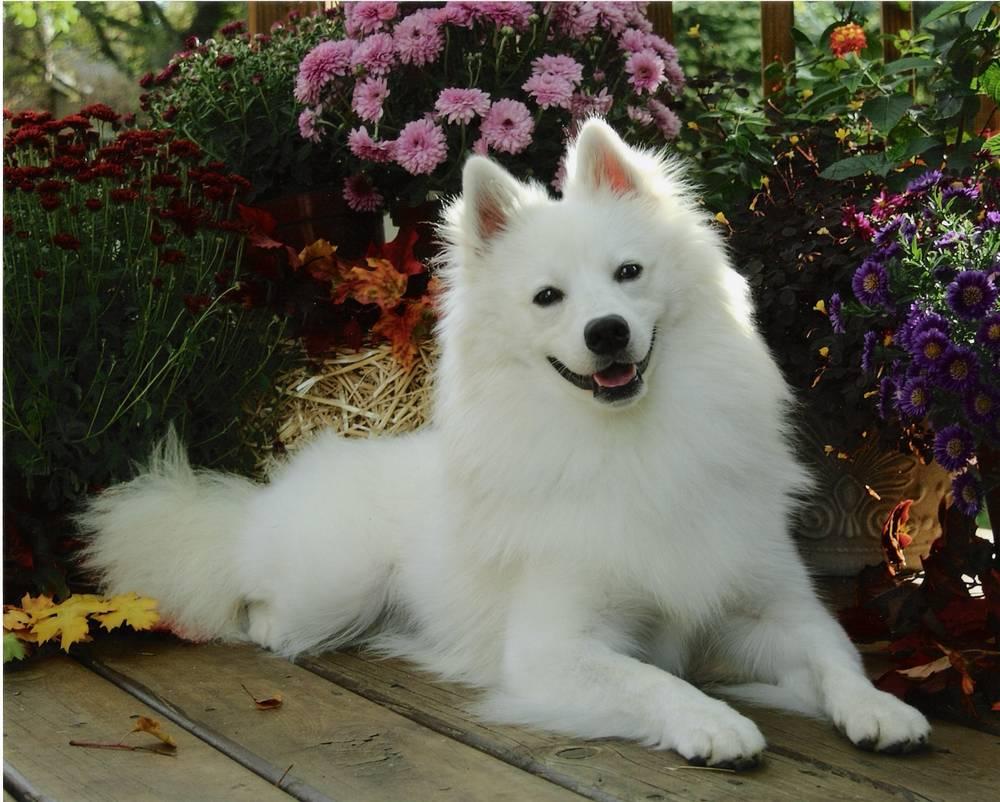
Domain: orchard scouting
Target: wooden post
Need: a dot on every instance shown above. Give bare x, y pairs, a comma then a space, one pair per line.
262, 15
662, 16
895, 18
776, 42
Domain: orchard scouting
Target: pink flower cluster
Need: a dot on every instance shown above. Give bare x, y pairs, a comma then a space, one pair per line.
411, 86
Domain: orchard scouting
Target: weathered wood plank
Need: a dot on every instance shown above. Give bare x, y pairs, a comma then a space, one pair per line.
776, 43
335, 740
613, 769
54, 701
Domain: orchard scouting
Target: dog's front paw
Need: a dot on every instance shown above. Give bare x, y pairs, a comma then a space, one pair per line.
879, 722
715, 735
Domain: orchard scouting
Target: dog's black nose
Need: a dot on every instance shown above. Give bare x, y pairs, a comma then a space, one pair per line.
606, 335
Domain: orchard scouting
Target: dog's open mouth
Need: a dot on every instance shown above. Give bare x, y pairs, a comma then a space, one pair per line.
618, 381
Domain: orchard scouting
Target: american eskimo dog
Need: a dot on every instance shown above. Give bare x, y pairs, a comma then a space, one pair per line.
599, 510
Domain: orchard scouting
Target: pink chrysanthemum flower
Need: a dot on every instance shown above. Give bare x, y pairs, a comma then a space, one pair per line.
360, 195
461, 105
639, 115
364, 147
421, 147
549, 90
320, 65
514, 15
508, 126
635, 16
633, 40
367, 18
611, 16
559, 179
460, 14
674, 77
575, 20
369, 95
665, 119
583, 104
307, 126
565, 67
418, 38
646, 71
480, 147
376, 54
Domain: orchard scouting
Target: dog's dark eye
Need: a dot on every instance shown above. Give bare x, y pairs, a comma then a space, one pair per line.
628, 272
548, 296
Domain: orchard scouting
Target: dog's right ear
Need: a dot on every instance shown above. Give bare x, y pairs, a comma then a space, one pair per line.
491, 196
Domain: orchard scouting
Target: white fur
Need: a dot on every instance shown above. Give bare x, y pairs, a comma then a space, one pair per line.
572, 557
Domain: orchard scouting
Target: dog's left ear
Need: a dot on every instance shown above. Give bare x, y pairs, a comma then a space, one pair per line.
600, 160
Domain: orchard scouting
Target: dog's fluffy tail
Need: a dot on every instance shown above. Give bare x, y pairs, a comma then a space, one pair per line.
171, 534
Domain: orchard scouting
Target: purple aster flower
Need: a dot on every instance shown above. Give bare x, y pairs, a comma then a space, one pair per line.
418, 38
929, 348
929, 179
583, 104
871, 283
549, 90
967, 494
992, 220
320, 65
565, 67
868, 351
645, 69
953, 446
364, 147
376, 54
982, 405
668, 122
360, 195
462, 105
914, 397
835, 309
367, 18
989, 332
947, 240
508, 126
421, 147
369, 95
971, 295
888, 231
959, 190
886, 397
921, 321
945, 273
307, 126
959, 368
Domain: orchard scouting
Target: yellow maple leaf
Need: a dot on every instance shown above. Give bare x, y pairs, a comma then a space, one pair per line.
15, 618
152, 726
137, 611
35, 606
69, 619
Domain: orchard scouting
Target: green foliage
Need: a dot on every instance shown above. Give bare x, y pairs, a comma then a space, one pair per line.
233, 96
124, 309
13, 649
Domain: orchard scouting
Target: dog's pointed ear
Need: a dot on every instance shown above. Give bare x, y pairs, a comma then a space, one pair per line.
491, 196
601, 160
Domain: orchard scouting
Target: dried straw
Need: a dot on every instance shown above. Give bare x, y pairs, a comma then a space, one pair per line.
356, 394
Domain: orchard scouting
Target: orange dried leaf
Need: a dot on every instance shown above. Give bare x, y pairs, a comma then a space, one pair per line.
320, 260
925, 670
378, 283
404, 329
153, 727
272, 702
137, 611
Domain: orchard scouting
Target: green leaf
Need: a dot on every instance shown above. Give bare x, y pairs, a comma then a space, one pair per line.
13, 649
854, 166
989, 82
992, 145
943, 10
885, 112
909, 63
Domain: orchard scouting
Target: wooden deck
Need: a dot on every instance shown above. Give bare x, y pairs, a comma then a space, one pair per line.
360, 729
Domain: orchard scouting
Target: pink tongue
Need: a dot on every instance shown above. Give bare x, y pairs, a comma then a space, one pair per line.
615, 376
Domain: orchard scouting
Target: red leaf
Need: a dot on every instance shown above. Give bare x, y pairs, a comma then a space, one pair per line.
399, 252
259, 219
893, 532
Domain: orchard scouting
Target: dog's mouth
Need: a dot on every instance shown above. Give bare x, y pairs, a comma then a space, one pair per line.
617, 381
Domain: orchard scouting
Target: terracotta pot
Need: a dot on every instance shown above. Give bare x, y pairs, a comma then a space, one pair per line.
305, 217
839, 531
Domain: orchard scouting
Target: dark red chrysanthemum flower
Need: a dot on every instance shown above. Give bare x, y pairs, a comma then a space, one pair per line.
74, 121
29, 118
66, 241
52, 185
66, 164
225, 61
197, 304
101, 111
172, 257
147, 80
124, 195
170, 113
164, 180
232, 29
184, 149
49, 202
157, 237
94, 204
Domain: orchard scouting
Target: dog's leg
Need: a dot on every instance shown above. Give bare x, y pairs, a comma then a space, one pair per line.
564, 670
791, 641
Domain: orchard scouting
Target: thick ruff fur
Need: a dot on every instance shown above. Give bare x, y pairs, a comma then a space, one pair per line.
574, 555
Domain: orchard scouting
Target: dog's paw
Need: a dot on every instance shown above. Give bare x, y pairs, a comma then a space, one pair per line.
715, 735
879, 722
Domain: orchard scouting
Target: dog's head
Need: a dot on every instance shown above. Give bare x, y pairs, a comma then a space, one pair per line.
581, 289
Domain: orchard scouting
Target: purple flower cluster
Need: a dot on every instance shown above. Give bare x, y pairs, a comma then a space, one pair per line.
935, 246
407, 88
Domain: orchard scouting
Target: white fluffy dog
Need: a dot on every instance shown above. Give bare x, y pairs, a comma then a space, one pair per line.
599, 509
